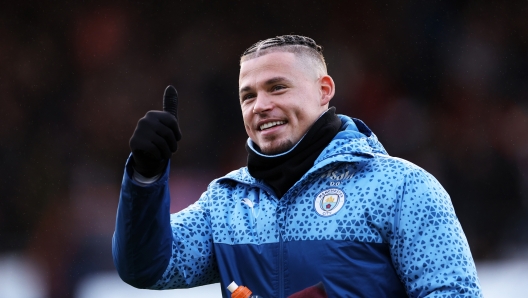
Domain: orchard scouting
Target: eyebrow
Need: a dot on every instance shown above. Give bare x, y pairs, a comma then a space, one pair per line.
268, 82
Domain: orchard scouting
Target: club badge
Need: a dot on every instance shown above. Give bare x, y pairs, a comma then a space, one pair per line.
329, 202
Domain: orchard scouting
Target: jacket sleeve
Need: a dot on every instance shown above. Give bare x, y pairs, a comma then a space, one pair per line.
429, 250
148, 250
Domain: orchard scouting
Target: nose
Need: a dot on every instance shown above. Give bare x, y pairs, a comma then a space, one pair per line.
263, 103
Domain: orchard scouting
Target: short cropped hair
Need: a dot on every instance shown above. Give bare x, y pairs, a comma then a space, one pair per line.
299, 45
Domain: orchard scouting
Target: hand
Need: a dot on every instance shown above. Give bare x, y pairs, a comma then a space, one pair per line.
156, 137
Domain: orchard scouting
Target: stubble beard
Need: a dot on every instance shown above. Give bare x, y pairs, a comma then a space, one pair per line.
281, 147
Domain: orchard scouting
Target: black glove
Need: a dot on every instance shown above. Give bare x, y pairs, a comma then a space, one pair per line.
156, 137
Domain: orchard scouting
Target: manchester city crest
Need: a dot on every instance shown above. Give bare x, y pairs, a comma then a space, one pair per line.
329, 202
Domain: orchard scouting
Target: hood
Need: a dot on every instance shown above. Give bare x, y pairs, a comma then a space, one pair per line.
354, 138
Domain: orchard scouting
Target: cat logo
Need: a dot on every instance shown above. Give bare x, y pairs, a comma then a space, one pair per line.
329, 202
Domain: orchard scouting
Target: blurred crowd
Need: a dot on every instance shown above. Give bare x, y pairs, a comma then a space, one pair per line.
443, 84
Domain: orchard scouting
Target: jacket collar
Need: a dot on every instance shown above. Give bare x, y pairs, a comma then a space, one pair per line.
355, 142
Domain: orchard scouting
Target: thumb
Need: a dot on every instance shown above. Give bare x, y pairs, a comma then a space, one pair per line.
170, 101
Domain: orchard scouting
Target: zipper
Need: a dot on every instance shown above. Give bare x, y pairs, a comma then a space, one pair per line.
281, 247
281, 266
266, 188
281, 243
280, 227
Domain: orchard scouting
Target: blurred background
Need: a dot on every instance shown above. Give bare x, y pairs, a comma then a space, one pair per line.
443, 84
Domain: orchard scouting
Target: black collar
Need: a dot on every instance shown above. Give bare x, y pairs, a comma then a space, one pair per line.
282, 171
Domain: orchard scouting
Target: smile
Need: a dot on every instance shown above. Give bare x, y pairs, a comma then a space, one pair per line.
271, 124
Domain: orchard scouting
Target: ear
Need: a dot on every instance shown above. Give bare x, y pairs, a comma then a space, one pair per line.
327, 87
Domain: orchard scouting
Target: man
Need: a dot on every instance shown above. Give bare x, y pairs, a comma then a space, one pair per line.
319, 201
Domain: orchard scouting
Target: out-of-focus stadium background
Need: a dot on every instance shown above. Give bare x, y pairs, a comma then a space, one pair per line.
443, 84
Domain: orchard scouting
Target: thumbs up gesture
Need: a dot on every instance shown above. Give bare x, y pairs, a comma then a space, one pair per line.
156, 136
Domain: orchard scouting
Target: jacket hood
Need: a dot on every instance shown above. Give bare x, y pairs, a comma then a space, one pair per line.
354, 138
354, 142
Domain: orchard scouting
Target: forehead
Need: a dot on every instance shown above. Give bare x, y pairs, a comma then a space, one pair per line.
270, 64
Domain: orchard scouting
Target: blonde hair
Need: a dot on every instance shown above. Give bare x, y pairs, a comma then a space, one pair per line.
301, 46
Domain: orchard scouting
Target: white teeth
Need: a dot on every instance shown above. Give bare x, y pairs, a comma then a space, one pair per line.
271, 124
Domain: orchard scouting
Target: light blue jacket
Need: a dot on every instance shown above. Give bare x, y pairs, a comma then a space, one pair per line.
362, 222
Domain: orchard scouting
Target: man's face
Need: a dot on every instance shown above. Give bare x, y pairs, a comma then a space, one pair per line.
280, 98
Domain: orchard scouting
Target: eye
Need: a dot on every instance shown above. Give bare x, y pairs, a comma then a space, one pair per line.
247, 96
278, 88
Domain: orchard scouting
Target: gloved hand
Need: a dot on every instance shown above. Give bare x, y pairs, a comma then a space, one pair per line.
156, 137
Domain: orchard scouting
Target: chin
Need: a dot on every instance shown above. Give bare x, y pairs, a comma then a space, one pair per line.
273, 149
